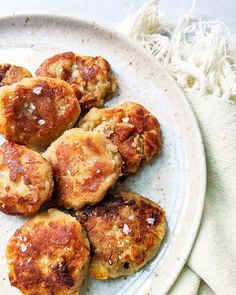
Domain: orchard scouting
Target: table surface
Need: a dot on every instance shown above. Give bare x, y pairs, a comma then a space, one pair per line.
112, 11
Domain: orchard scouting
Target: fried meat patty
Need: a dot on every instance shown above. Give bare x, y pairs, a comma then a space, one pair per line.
125, 231
85, 164
48, 255
91, 77
134, 130
26, 180
36, 111
10, 74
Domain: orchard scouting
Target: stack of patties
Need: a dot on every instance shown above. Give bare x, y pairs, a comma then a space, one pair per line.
121, 231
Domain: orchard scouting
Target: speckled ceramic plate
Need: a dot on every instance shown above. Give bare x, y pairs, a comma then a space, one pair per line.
176, 180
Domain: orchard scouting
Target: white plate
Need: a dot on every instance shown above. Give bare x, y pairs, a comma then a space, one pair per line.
176, 180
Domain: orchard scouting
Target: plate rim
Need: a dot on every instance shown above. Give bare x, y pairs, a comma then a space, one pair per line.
195, 223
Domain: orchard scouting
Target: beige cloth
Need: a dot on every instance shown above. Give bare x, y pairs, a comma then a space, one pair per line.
211, 267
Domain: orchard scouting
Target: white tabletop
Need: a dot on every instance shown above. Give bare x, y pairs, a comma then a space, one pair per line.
111, 11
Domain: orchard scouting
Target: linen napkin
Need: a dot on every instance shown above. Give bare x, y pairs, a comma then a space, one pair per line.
201, 56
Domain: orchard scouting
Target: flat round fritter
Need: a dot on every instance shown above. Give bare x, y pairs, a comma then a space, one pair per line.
85, 164
26, 180
125, 231
48, 255
134, 130
10, 74
36, 111
91, 77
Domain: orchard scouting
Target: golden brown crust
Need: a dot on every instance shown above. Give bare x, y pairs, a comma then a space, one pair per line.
10, 74
49, 254
134, 130
91, 77
125, 231
26, 180
36, 111
86, 164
